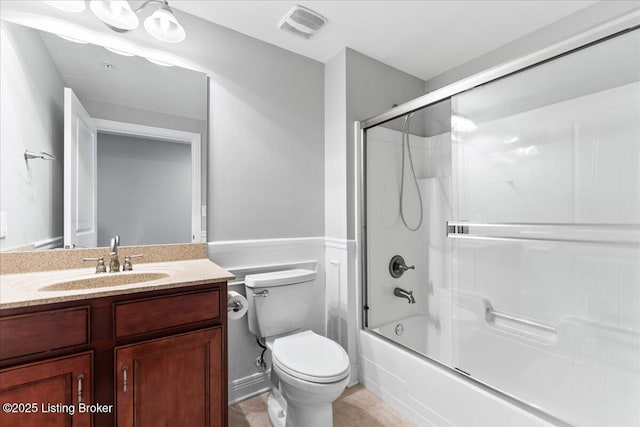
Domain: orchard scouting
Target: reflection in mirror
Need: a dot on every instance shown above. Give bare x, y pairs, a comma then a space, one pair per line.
144, 177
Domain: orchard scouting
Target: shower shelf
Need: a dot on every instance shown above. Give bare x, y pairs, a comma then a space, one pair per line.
607, 234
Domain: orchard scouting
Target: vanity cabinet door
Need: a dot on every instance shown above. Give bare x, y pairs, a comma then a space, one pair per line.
174, 381
49, 393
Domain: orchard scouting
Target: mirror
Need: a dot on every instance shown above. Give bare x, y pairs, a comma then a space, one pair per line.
145, 179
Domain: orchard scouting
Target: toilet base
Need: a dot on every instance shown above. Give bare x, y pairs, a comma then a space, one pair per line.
309, 416
276, 408
283, 415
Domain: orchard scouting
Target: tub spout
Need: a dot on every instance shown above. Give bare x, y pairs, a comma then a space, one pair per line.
401, 293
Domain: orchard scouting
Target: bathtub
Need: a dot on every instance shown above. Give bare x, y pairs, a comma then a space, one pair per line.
395, 367
409, 332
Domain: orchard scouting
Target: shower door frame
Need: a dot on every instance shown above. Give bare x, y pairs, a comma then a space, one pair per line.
619, 26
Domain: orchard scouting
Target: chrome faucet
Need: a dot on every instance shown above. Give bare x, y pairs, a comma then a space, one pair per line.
399, 292
114, 264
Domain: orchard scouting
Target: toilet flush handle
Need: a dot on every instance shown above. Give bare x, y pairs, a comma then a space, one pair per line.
262, 294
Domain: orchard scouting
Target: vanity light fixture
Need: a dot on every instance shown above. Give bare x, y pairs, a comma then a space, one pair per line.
118, 15
164, 26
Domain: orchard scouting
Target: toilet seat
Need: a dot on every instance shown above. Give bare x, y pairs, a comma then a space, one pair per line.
311, 357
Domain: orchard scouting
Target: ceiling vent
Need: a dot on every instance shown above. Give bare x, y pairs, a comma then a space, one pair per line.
302, 22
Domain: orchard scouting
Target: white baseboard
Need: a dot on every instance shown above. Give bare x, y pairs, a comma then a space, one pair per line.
244, 388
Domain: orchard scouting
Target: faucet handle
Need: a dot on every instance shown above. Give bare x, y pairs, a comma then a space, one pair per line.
128, 266
397, 266
100, 268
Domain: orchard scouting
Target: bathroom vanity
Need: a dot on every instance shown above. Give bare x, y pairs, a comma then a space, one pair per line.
145, 354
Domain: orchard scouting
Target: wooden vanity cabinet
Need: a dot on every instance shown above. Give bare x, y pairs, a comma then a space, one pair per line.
171, 381
159, 357
47, 393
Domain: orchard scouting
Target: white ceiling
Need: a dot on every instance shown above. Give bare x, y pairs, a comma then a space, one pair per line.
131, 82
422, 38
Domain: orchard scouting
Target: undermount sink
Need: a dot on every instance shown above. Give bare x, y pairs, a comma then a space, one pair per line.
105, 280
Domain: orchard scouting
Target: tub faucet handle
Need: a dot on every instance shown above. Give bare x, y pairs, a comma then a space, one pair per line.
397, 266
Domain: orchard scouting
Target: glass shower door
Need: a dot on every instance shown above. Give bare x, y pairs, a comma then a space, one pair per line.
546, 242
408, 193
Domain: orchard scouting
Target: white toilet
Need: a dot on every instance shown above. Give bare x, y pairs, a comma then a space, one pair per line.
309, 371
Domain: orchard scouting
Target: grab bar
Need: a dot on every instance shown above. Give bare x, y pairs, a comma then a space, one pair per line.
522, 320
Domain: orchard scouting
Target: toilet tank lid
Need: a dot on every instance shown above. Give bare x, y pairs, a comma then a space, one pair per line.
279, 278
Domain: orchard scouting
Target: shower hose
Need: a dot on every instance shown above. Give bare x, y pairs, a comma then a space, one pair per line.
405, 137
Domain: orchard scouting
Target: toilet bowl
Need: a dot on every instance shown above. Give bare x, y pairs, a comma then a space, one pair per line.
312, 371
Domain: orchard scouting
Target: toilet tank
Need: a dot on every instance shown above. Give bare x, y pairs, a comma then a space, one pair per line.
279, 302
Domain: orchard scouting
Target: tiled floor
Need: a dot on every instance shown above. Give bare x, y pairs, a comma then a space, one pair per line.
357, 407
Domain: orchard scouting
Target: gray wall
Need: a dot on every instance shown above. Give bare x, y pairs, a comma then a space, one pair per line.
265, 159
266, 168
265, 153
356, 87
372, 88
144, 190
31, 117
558, 31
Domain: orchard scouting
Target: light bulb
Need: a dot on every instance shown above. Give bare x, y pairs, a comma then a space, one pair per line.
116, 14
164, 26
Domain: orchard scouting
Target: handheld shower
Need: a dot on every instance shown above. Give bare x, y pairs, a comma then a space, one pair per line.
405, 137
